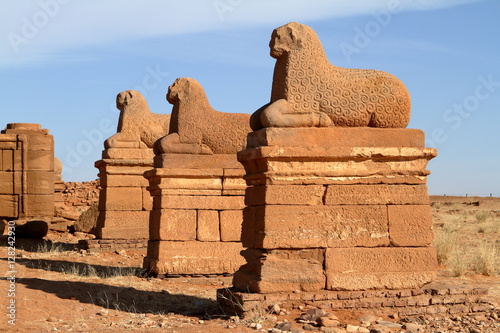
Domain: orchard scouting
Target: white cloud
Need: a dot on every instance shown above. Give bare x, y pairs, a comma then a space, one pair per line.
32, 31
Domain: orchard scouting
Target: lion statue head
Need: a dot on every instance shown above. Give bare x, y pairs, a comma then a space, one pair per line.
129, 98
291, 37
181, 88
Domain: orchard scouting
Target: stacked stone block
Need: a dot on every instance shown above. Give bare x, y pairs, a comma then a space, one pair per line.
124, 202
195, 225
26, 172
197, 188
351, 213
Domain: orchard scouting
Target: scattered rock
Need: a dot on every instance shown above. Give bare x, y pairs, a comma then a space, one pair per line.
411, 327
312, 315
380, 329
256, 326
328, 321
284, 326
389, 324
87, 221
275, 309
351, 329
332, 330
369, 318
309, 327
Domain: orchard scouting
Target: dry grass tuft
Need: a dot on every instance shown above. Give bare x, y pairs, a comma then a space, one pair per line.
481, 217
486, 259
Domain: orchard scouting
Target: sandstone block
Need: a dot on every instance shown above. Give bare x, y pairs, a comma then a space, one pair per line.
196, 161
40, 182
121, 198
40, 142
173, 224
233, 182
376, 195
132, 154
367, 281
192, 257
333, 165
380, 259
284, 195
379, 268
8, 160
186, 179
40, 160
216, 202
208, 226
127, 232
39, 204
410, 225
123, 224
270, 273
337, 136
9, 205
290, 226
6, 182
114, 180
230, 225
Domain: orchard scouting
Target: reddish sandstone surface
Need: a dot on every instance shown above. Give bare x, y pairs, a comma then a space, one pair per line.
104, 291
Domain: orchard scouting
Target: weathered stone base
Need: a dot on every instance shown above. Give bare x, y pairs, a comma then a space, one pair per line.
195, 224
434, 298
112, 244
192, 258
124, 202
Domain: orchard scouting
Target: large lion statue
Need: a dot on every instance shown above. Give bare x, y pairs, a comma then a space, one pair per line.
308, 91
196, 128
138, 127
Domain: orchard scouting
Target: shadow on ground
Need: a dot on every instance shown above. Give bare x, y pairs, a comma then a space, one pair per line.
38, 245
80, 268
124, 299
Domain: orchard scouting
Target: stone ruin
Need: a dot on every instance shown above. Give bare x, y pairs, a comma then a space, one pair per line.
124, 202
197, 188
333, 210
27, 178
337, 199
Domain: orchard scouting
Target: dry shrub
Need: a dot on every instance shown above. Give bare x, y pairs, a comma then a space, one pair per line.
486, 259
481, 217
457, 262
445, 243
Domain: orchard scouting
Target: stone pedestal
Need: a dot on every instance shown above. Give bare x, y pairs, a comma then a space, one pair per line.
26, 172
195, 224
336, 209
124, 202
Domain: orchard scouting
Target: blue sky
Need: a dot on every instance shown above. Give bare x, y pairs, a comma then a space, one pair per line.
62, 63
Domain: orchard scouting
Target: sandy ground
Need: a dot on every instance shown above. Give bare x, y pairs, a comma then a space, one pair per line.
61, 288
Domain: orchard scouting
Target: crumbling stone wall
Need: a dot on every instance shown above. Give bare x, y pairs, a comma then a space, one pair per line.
26, 172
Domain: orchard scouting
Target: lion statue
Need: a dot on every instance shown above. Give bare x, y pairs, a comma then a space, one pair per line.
196, 128
308, 91
138, 127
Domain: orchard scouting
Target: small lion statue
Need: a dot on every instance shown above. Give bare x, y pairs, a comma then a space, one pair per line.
308, 91
138, 127
196, 128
